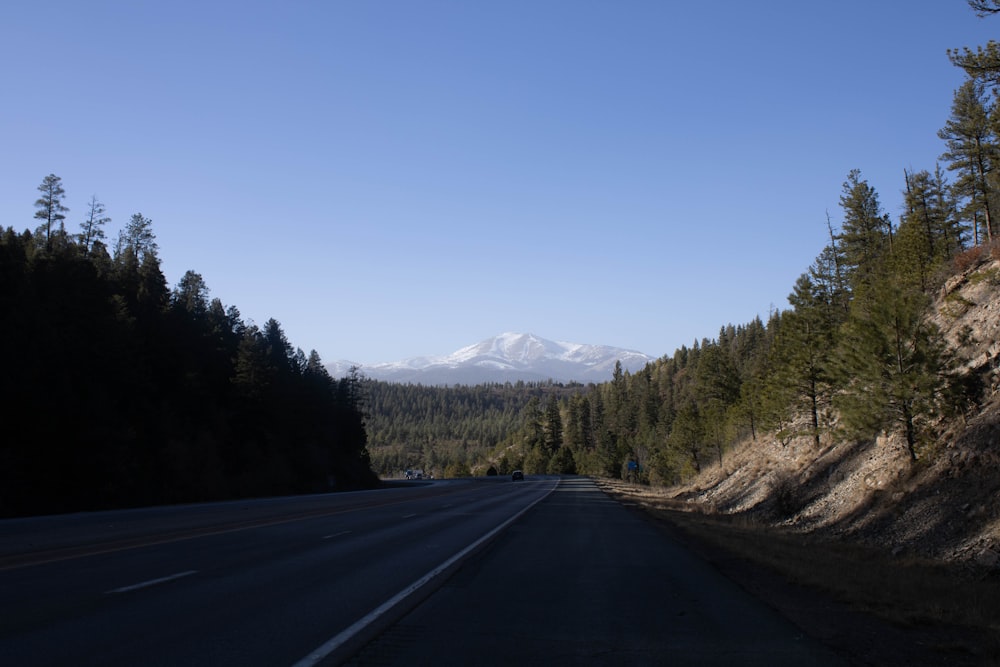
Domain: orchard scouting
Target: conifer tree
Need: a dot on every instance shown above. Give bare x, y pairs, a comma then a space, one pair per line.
50, 208
137, 237
805, 343
929, 232
562, 462
534, 434
252, 377
895, 367
92, 228
553, 426
828, 270
573, 426
314, 368
865, 235
191, 294
687, 434
985, 7
153, 294
972, 152
279, 350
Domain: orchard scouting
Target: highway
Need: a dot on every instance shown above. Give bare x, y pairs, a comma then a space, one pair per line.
262, 582
545, 571
581, 580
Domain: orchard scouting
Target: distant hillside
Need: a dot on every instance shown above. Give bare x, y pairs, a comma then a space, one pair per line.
448, 430
508, 357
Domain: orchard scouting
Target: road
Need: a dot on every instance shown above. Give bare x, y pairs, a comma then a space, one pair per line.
544, 571
265, 582
581, 580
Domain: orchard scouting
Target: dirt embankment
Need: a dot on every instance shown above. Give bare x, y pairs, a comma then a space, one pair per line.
945, 507
914, 543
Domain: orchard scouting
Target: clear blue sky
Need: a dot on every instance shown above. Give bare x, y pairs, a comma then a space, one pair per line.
397, 178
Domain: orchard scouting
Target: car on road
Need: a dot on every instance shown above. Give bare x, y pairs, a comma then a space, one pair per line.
516, 475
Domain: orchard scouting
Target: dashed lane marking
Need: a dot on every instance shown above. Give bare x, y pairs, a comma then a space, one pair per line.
152, 582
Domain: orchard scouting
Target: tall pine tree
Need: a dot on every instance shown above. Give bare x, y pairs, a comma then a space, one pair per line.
50, 208
972, 153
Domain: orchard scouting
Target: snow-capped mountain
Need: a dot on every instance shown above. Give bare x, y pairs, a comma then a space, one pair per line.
508, 357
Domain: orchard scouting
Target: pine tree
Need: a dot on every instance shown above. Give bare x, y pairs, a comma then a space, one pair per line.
191, 294
553, 426
894, 362
49, 205
279, 350
92, 228
929, 233
562, 462
982, 65
535, 432
137, 237
804, 344
252, 376
985, 7
153, 293
972, 152
687, 435
865, 235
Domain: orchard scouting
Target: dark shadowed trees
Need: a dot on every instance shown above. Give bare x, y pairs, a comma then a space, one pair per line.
120, 392
191, 294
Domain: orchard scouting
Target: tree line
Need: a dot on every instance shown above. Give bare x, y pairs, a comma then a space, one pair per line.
855, 355
120, 391
447, 431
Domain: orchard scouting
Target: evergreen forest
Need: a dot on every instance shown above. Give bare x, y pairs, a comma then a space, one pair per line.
119, 391
450, 431
855, 355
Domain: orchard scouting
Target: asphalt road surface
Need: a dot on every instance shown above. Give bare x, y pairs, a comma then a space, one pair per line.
266, 582
488, 572
580, 580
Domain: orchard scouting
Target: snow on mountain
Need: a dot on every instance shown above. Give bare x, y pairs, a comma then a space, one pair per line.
508, 357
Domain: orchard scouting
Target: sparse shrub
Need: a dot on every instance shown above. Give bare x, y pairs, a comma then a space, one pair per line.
785, 492
990, 276
968, 258
956, 305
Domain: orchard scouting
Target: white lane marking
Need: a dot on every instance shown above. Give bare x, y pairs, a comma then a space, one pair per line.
330, 537
152, 582
319, 654
408, 516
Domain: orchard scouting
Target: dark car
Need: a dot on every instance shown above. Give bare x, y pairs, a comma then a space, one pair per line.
516, 475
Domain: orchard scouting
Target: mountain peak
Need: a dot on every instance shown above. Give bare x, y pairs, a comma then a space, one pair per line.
507, 357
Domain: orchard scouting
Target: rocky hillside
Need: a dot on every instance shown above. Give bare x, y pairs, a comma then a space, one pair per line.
945, 506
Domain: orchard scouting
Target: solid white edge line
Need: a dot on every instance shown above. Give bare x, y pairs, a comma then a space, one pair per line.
345, 635
152, 582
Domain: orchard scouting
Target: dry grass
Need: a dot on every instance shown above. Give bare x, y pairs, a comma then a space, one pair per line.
905, 592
